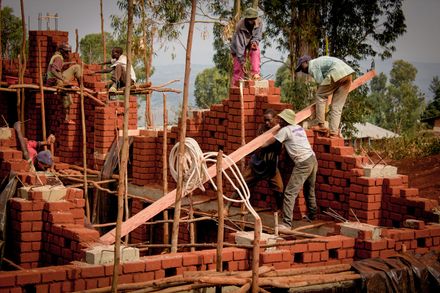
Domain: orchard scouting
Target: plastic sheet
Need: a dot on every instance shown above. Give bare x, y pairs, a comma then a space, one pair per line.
401, 273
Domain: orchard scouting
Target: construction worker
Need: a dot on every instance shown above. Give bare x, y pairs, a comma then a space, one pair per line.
334, 78
246, 40
56, 76
118, 69
263, 165
304, 171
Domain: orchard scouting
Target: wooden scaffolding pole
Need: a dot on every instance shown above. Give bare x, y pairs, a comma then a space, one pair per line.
84, 142
1, 47
166, 201
221, 217
43, 110
23, 64
124, 152
166, 232
76, 41
104, 49
180, 191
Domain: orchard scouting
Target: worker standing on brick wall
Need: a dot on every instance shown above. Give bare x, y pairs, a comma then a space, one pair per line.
304, 171
118, 69
264, 164
334, 78
246, 40
56, 76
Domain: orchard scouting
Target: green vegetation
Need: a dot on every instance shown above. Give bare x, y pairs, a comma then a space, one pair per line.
433, 108
11, 33
211, 87
92, 50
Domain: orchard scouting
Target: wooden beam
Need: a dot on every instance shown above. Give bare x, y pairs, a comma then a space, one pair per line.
168, 200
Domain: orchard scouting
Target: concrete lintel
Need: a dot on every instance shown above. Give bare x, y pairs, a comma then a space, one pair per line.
352, 229
247, 238
50, 193
5, 133
374, 171
104, 254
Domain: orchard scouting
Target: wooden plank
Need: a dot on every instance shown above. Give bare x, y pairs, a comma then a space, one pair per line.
168, 200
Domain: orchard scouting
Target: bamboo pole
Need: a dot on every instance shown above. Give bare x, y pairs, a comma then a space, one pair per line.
19, 95
166, 232
43, 110
84, 142
180, 190
221, 216
124, 151
243, 142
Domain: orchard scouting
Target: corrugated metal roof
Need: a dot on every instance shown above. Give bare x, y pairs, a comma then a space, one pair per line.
365, 130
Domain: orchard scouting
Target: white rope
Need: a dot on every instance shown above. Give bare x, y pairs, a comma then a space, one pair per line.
196, 172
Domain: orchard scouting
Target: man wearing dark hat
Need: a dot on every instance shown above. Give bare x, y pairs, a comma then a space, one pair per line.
304, 171
334, 78
247, 37
41, 160
56, 76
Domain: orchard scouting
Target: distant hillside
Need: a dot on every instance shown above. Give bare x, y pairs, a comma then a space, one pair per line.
164, 73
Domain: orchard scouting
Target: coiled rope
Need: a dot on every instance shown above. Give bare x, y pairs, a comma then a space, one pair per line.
195, 172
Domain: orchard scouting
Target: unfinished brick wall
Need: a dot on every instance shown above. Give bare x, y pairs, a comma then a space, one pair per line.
102, 122
45, 233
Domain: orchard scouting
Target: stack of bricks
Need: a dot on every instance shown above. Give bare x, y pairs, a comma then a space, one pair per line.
420, 239
80, 276
48, 233
324, 251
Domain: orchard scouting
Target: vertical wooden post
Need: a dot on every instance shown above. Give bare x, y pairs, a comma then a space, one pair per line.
243, 142
43, 110
19, 118
221, 216
148, 59
76, 41
103, 33
182, 131
1, 49
166, 232
23, 64
192, 236
256, 254
124, 151
84, 143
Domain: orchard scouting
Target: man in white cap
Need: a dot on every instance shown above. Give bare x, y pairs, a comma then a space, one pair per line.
334, 78
247, 37
304, 171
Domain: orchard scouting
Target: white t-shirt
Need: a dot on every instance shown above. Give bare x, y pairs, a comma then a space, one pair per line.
122, 60
295, 140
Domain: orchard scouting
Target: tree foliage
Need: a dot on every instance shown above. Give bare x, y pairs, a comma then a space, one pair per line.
11, 33
211, 87
354, 29
397, 105
433, 108
91, 48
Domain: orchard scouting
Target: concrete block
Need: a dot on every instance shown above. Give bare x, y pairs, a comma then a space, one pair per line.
5, 133
247, 238
354, 229
49, 193
104, 254
261, 83
380, 171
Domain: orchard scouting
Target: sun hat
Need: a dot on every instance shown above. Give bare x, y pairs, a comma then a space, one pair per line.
250, 13
65, 47
45, 157
301, 60
288, 115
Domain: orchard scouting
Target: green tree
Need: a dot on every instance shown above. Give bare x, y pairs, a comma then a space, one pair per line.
354, 29
211, 87
433, 109
398, 105
91, 47
11, 33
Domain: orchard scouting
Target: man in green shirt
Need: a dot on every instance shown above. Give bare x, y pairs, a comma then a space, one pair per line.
334, 78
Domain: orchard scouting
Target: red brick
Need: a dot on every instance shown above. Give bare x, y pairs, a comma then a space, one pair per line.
134, 267
54, 274
302, 247
409, 192
171, 261
92, 271
7, 279
240, 254
316, 246
271, 257
190, 259
152, 264
376, 244
142, 277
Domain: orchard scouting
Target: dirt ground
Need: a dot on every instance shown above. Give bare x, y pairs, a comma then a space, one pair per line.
423, 173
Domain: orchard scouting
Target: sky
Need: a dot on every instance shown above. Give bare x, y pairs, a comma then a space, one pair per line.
420, 44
